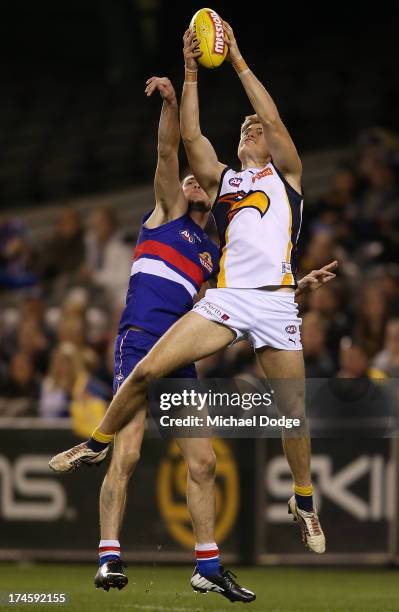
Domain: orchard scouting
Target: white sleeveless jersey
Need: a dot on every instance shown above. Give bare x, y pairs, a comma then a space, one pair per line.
258, 217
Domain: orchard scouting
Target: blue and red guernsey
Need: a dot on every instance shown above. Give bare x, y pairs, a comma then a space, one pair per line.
170, 263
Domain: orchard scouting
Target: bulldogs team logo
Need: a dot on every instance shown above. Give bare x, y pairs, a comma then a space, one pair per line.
206, 261
235, 181
291, 329
187, 236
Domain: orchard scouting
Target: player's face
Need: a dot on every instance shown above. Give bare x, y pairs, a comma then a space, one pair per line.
196, 197
253, 143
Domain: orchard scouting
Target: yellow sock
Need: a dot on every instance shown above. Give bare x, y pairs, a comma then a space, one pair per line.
100, 437
305, 491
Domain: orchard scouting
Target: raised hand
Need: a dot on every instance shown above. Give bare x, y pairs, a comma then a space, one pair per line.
164, 86
316, 278
191, 50
230, 40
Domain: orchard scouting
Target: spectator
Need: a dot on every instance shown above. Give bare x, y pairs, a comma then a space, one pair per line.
371, 319
333, 209
56, 387
108, 259
319, 251
72, 329
387, 360
377, 146
63, 256
325, 301
20, 391
318, 361
90, 396
389, 285
343, 189
379, 204
353, 360
16, 256
70, 389
33, 342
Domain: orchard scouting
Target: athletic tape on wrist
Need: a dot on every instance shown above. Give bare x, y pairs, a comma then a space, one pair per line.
240, 65
190, 76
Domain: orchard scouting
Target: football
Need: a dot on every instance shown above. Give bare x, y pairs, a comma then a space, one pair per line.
208, 27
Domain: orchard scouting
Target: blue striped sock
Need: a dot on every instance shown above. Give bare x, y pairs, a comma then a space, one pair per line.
107, 558
108, 550
207, 557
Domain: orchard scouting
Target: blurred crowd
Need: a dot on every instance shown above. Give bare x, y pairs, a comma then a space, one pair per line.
62, 300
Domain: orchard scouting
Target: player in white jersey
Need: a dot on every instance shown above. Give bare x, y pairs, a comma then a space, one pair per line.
258, 213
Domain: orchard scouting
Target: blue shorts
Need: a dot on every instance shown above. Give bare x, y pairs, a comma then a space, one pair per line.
130, 348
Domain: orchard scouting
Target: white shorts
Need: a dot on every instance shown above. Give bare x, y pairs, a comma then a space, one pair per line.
268, 318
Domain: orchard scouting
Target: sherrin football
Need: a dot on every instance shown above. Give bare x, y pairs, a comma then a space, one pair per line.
208, 27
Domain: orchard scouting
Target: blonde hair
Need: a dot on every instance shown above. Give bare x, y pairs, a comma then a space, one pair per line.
249, 120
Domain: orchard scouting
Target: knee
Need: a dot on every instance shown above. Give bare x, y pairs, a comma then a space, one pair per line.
121, 468
298, 408
143, 373
202, 469
293, 406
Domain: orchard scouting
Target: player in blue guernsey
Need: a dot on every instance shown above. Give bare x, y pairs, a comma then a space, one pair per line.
172, 259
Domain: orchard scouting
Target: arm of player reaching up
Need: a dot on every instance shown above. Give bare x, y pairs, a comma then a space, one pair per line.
201, 155
281, 147
169, 198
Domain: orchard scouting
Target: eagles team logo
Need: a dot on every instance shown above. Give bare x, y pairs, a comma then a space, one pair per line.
240, 200
206, 261
291, 329
187, 236
235, 181
171, 493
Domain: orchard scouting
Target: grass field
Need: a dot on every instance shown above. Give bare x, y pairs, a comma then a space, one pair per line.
166, 589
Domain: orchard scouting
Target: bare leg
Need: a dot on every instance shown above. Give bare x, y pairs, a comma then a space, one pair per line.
201, 461
190, 339
113, 494
290, 397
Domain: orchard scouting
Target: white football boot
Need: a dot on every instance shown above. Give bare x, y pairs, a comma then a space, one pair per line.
312, 533
72, 459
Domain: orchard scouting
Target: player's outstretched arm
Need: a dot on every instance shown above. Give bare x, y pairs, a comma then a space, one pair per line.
280, 144
201, 155
317, 278
168, 193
